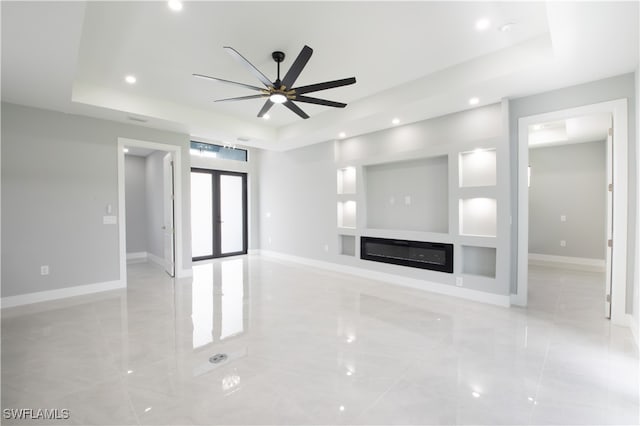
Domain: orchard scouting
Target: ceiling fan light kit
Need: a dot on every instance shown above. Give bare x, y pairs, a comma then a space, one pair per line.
282, 91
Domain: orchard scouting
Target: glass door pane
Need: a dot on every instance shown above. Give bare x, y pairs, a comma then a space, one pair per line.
231, 214
201, 215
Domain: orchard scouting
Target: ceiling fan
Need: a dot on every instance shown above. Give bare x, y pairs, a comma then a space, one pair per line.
282, 91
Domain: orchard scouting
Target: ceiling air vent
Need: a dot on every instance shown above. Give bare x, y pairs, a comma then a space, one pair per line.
242, 139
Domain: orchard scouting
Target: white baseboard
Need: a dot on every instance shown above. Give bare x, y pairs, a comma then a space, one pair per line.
156, 259
137, 257
463, 293
253, 251
61, 293
633, 325
578, 263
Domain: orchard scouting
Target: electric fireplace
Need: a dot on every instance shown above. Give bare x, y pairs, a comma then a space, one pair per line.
416, 254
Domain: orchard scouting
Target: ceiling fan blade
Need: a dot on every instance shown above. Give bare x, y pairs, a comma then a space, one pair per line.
325, 85
228, 82
295, 108
241, 98
297, 67
266, 107
318, 101
249, 66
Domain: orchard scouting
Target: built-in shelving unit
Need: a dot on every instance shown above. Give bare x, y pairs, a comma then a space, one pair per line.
448, 188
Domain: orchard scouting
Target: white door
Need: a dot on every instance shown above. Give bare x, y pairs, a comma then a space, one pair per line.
609, 234
168, 223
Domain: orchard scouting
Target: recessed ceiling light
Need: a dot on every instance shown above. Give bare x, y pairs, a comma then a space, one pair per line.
482, 24
266, 116
474, 101
342, 135
537, 126
505, 28
175, 5
395, 121
125, 150
131, 79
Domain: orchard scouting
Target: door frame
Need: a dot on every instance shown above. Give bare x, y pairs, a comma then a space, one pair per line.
618, 110
217, 225
176, 151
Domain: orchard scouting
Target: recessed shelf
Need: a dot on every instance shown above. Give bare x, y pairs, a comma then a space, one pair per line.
478, 168
347, 180
348, 245
347, 214
479, 261
478, 217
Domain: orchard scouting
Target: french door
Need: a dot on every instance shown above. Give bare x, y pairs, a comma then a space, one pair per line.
218, 213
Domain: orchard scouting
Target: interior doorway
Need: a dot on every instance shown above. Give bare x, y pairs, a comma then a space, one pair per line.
619, 170
218, 213
157, 228
570, 186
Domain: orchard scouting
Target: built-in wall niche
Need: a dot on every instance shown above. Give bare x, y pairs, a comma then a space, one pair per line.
347, 180
408, 195
347, 214
478, 217
348, 245
479, 261
478, 168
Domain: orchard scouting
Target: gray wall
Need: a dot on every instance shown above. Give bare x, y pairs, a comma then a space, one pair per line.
154, 192
424, 181
619, 87
298, 191
135, 201
59, 173
568, 180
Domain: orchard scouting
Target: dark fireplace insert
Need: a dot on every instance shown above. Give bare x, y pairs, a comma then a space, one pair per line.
417, 254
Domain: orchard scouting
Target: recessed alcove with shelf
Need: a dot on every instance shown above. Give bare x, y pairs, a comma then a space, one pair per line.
478, 168
408, 195
348, 245
480, 261
478, 217
347, 180
347, 214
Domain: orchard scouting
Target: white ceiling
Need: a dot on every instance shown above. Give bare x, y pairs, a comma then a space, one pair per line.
587, 128
412, 60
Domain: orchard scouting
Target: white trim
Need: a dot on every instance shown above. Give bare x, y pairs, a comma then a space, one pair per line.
580, 263
61, 293
156, 259
253, 251
136, 257
184, 273
634, 330
618, 109
176, 150
463, 293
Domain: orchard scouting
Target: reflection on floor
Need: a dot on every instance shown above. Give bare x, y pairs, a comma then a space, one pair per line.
306, 346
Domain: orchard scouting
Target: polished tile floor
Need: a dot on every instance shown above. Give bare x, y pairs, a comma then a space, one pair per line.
306, 346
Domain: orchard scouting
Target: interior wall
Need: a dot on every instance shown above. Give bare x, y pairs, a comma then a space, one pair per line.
59, 174
568, 180
136, 205
609, 89
298, 193
154, 195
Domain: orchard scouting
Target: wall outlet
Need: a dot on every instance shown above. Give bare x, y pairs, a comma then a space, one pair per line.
563, 218
563, 243
269, 240
326, 247
44, 270
459, 282
407, 199
392, 200
109, 220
